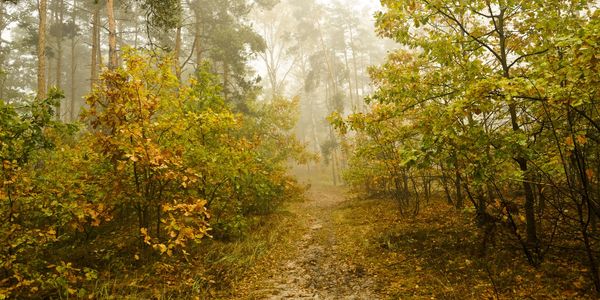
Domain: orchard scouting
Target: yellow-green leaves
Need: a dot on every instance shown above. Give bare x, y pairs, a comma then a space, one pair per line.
496, 100
162, 165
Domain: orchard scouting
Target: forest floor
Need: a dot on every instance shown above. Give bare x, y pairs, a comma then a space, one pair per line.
339, 246
317, 265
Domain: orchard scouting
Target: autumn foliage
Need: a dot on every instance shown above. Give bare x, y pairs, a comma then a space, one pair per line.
156, 166
494, 104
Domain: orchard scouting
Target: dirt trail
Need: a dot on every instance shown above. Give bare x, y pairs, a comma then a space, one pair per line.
316, 269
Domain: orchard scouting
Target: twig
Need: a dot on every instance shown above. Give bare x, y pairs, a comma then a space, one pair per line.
489, 273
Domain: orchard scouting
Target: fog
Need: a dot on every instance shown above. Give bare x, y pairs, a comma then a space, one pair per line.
313, 51
318, 52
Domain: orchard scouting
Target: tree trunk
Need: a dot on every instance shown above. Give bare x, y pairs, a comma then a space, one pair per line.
41, 76
73, 65
313, 127
530, 218
333, 157
59, 46
444, 181
112, 36
2, 58
460, 202
177, 52
355, 64
59, 53
532, 239
225, 81
353, 103
198, 35
120, 29
95, 45
427, 186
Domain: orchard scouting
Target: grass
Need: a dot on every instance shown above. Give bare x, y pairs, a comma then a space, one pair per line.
214, 271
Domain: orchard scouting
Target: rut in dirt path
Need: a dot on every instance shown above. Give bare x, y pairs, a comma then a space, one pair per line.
315, 270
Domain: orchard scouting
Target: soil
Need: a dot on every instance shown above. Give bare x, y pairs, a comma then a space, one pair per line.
317, 267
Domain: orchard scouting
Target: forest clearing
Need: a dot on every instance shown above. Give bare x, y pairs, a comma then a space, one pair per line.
299, 149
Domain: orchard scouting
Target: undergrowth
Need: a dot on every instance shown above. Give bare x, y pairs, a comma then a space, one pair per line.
213, 270
437, 254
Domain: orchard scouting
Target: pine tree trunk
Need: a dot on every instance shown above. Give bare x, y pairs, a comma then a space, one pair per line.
2, 57
177, 52
198, 36
41, 76
353, 103
73, 66
95, 46
355, 64
59, 53
112, 35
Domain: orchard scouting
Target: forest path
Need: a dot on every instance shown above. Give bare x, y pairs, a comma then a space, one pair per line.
318, 265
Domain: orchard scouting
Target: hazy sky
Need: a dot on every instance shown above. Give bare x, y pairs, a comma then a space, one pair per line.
371, 5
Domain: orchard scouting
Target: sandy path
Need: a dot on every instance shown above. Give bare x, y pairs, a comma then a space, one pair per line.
315, 270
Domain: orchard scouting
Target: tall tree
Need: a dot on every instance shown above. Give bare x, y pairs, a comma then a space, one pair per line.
73, 70
95, 52
41, 53
276, 28
492, 32
57, 31
112, 35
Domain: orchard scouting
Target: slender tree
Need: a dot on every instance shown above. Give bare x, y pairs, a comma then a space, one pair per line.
41, 74
95, 45
112, 35
73, 63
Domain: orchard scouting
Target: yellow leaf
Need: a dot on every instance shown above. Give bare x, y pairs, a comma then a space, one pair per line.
569, 141
144, 232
